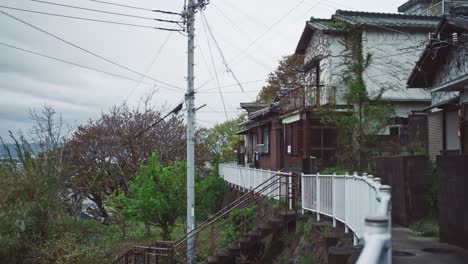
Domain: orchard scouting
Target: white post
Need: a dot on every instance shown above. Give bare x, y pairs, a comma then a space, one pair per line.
376, 238
302, 192
334, 199
386, 205
346, 202
317, 185
290, 191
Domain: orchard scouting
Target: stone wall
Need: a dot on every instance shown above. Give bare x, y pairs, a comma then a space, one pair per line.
409, 179
452, 174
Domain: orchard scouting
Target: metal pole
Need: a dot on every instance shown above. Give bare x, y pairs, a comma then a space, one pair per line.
190, 97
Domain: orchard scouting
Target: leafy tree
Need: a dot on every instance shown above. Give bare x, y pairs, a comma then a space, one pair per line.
209, 195
222, 140
158, 194
289, 74
104, 155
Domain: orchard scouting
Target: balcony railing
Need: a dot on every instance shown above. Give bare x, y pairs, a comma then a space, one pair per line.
441, 8
307, 97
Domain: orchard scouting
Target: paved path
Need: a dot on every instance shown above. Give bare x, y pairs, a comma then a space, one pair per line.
407, 241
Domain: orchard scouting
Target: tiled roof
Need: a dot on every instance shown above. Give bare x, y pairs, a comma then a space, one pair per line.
412, 3
386, 19
323, 24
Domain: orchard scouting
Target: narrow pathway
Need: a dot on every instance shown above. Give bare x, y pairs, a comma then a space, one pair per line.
408, 247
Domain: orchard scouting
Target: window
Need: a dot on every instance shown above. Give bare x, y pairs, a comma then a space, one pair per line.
266, 140
292, 138
394, 131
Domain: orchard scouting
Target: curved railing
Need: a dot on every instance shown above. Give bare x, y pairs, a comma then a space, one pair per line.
361, 203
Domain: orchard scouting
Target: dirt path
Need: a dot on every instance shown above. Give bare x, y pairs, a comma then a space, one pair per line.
424, 250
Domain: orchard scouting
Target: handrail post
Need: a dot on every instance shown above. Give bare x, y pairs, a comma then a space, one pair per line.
334, 199
385, 199
302, 192
317, 186
346, 201
376, 232
290, 190
212, 235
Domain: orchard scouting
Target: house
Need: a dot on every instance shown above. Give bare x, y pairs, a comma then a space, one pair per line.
427, 7
443, 69
290, 134
262, 137
391, 41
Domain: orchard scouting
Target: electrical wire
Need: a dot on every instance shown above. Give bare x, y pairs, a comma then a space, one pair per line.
268, 30
230, 85
155, 57
136, 7
215, 71
87, 51
91, 19
205, 61
74, 64
263, 34
105, 12
175, 111
228, 69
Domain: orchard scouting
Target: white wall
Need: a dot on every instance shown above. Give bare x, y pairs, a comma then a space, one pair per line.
393, 58
451, 134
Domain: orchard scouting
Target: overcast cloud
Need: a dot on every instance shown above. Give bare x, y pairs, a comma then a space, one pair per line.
28, 81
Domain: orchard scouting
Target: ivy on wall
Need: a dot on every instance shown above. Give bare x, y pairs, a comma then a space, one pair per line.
363, 118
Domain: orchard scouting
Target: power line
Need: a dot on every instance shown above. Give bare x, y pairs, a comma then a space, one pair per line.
268, 30
155, 57
105, 12
232, 92
91, 19
136, 7
175, 111
204, 58
87, 51
215, 71
72, 63
230, 85
261, 36
228, 69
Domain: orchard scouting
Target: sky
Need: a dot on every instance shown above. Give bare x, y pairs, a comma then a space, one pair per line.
252, 37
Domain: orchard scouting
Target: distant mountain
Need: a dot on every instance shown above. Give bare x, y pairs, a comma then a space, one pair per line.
12, 148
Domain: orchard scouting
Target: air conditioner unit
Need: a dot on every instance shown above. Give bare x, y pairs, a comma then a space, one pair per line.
260, 149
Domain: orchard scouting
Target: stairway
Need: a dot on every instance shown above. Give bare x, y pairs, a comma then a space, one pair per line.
272, 202
248, 242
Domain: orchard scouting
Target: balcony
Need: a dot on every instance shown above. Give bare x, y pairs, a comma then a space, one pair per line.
441, 8
307, 97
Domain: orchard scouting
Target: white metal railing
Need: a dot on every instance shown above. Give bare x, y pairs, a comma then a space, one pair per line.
361, 203
438, 9
249, 179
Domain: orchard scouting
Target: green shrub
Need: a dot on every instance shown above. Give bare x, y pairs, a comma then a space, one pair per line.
308, 259
337, 170
234, 227
305, 228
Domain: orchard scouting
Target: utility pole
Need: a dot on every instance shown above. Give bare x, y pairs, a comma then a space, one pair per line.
191, 9
190, 99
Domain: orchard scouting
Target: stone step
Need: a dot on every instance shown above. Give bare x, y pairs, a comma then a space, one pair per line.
213, 259
265, 227
255, 234
222, 253
235, 248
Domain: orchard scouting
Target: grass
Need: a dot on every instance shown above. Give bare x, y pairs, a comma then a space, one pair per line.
427, 227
